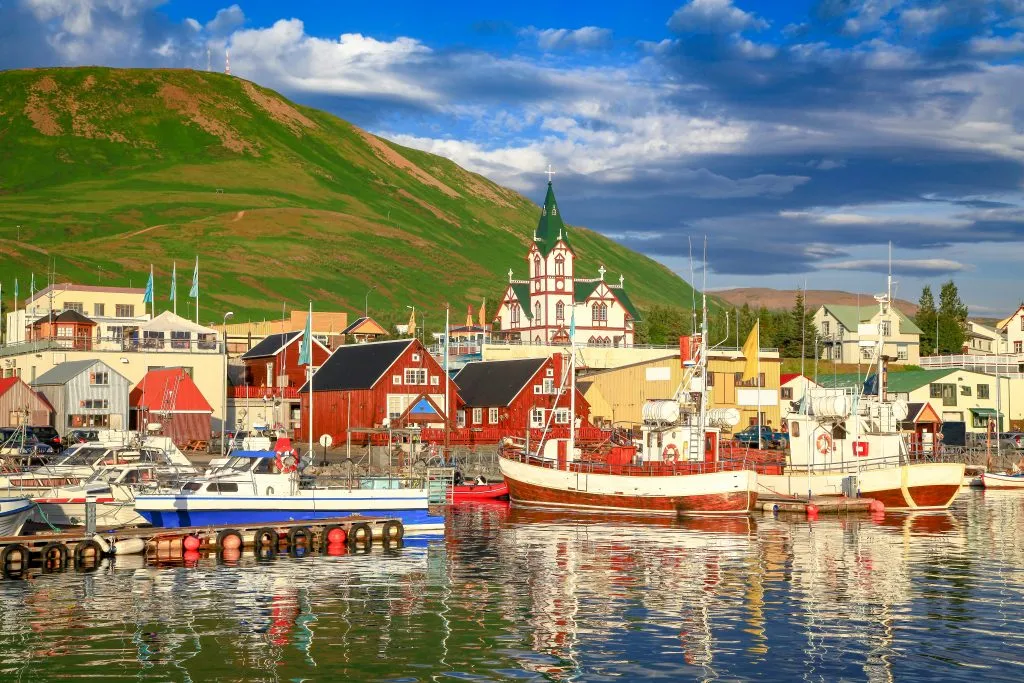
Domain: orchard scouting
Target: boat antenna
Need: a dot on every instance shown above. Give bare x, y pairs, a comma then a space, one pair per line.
803, 338
693, 293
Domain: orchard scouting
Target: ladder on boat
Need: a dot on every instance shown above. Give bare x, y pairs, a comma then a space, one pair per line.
439, 485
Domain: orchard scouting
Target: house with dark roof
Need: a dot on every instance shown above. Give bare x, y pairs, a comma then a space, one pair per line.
85, 393
20, 405
841, 329
168, 397
70, 329
364, 329
512, 395
393, 383
273, 363
541, 309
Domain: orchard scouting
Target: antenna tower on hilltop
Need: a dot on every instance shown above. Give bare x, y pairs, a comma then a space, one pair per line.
208, 59
227, 61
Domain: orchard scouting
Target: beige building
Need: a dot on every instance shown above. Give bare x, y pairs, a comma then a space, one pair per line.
617, 395
982, 340
113, 309
328, 328
842, 329
1013, 328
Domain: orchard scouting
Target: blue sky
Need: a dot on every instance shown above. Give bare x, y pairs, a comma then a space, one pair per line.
800, 137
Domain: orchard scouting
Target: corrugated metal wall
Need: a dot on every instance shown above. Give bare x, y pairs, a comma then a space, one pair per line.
18, 399
115, 393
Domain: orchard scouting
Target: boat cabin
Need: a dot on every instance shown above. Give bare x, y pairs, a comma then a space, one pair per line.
246, 473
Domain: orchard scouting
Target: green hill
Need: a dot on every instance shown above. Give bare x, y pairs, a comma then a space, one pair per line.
110, 170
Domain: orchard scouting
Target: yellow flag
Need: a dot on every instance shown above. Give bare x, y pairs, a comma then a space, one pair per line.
483, 305
469, 316
751, 349
412, 323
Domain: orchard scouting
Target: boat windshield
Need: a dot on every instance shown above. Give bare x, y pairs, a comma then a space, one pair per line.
240, 464
82, 456
105, 475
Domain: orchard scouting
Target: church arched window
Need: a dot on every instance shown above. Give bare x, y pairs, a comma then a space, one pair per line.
560, 312
536, 266
537, 314
559, 265
514, 313
599, 313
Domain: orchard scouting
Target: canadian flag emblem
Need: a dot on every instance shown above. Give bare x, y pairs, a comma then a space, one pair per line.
860, 449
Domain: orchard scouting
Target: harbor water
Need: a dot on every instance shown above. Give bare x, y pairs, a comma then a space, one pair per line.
521, 595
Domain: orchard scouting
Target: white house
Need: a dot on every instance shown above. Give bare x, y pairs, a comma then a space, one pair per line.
540, 309
982, 340
1013, 328
841, 329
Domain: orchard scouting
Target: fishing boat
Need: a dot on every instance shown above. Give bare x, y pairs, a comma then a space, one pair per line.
112, 488
674, 468
14, 512
260, 486
469, 493
848, 442
992, 480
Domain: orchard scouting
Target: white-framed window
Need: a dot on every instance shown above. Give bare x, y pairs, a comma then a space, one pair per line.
514, 313
65, 331
98, 309
270, 375
561, 416
124, 310
599, 313
435, 380
550, 372
415, 358
825, 325
415, 375
75, 306
460, 418
886, 328
100, 378
559, 265
537, 310
478, 415
397, 403
537, 418
902, 353
866, 353
549, 386
537, 388
560, 312
396, 380
492, 416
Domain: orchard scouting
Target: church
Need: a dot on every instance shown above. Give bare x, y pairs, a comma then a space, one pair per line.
540, 309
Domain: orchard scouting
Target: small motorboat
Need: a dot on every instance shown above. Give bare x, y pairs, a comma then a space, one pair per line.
468, 493
992, 480
14, 512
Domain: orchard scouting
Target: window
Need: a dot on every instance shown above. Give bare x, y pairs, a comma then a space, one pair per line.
99, 378
902, 353
180, 340
948, 394
75, 306
560, 266
1018, 347
866, 353
739, 381
548, 386
536, 388
397, 403
65, 330
435, 381
935, 391
415, 358
786, 393
478, 416
396, 380
536, 266
886, 328
269, 381
415, 375
514, 313
98, 310
599, 313
550, 372
537, 418
965, 390
537, 313
95, 404
794, 429
124, 310
561, 416
560, 312
223, 487
825, 327
492, 416
460, 418
1022, 323
983, 391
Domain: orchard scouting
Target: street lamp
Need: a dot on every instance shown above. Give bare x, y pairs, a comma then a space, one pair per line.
366, 302
224, 407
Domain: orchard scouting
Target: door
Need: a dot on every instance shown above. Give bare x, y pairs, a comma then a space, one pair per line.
116, 422
563, 447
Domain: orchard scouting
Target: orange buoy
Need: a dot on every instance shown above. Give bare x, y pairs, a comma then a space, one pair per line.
336, 535
336, 549
191, 543
191, 557
876, 506
812, 511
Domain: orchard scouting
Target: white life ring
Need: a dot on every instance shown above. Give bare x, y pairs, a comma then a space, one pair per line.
670, 452
824, 443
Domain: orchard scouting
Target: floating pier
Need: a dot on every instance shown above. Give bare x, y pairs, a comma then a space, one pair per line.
819, 505
56, 551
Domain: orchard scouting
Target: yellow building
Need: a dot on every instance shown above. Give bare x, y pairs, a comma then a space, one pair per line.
617, 395
327, 328
112, 308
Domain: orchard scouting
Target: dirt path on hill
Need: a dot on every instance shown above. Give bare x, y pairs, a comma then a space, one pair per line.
238, 216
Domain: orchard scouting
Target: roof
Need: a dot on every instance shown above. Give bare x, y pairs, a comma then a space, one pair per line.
66, 317
788, 377
68, 370
582, 289
70, 287
620, 294
170, 322
851, 316
550, 228
522, 292
495, 382
358, 366
371, 327
6, 383
899, 382
270, 345
149, 392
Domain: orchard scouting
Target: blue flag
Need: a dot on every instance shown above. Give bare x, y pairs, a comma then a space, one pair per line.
32, 286
194, 292
148, 296
15, 292
174, 280
306, 347
572, 325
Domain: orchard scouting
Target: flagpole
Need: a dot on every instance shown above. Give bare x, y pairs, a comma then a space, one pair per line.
195, 280
447, 416
309, 328
174, 285
757, 382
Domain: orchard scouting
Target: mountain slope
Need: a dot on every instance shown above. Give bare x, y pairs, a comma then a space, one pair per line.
779, 299
109, 170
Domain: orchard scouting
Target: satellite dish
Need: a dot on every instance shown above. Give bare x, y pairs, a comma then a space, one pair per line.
154, 427
326, 441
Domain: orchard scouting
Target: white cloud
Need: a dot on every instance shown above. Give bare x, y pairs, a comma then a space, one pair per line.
714, 16
226, 20
193, 24
933, 266
998, 46
587, 37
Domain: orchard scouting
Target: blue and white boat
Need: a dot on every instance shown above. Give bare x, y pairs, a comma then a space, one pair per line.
248, 489
14, 512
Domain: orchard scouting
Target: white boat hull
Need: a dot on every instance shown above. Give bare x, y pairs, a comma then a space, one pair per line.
919, 486
71, 512
14, 512
720, 493
1002, 481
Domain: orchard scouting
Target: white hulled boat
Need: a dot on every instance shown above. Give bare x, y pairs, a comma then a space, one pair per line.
113, 488
14, 512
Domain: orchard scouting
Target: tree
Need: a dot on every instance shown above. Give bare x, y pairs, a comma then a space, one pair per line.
952, 317
801, 335
925, 319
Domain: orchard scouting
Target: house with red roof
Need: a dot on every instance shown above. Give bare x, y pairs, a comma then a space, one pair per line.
20, 405
168, 397
792, 387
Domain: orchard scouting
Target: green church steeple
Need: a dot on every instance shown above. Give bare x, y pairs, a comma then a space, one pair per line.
550, 227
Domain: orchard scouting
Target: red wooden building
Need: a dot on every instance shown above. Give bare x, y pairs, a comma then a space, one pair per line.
376, 384
512, 395
170, 398
274, 362
20, 405
71, 329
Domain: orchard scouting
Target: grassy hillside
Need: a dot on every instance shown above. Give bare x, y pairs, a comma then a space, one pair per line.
109, 170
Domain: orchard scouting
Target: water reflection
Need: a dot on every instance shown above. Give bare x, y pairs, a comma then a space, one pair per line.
549, 596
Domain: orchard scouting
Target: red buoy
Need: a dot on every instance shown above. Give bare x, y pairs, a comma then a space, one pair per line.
231, 542
336, 549
336, 535
191, 557
191, 543
812, 511
876, 506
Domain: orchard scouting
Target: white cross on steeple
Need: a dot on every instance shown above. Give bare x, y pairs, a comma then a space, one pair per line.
550, 172
601, 271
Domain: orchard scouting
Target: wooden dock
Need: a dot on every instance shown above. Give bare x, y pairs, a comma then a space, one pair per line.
55, 551
816, 505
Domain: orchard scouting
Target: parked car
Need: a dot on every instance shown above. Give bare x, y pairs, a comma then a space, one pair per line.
25, 449
257, 440
1011, 440
769, 437
80, 436
47, 435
